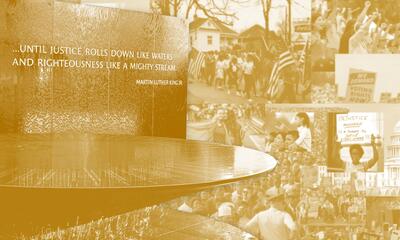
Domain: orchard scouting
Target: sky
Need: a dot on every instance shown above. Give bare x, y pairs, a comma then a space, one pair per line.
387, 67
300, 9
138, 5
248, 14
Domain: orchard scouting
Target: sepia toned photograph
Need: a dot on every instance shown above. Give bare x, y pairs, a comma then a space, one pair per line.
249, 51
358, 142
250, 205
367, 79
355, 27
332, 204
383, 218
323, 88
284, 133
199, 119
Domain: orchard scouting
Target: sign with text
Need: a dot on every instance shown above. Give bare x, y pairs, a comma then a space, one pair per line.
361, 86
357, 127
395, 235
314, 203
81, 68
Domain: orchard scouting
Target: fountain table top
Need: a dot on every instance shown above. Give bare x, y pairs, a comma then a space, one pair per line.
101, 161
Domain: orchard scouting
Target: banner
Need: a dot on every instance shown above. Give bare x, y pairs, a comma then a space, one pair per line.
395, 235
357, 127
361, 86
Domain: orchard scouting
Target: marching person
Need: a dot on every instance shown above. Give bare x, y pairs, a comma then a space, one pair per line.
233, 76
274, 223
210, 68
249, 80
219, 72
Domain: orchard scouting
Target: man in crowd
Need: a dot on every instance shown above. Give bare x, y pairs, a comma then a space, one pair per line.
274, 223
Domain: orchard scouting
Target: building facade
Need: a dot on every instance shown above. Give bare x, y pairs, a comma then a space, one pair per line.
208, 35
387, 183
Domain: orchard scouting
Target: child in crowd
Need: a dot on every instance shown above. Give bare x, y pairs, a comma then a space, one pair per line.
219, 72
290, 138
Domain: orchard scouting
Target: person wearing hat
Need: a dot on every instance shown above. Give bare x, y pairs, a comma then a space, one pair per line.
291, 200
273, 223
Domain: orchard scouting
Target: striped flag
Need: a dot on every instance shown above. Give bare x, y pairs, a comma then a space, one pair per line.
285, 59
302, 62
196, 62
303, 55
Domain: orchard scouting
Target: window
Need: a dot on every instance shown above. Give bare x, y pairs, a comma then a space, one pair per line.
209, 40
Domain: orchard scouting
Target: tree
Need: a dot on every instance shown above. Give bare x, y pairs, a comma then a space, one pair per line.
218, 10
266, 5
283, 29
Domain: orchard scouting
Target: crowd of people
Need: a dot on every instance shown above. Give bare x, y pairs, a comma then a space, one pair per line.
356, 30
233, 124
332, 206
235, 73
223, 123
276, 193
241, 203
305, 204
323, 94
246, 75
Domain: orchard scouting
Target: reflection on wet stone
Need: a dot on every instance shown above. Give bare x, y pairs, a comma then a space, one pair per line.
45, 99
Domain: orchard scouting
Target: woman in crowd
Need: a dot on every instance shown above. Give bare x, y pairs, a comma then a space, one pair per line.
303, 142
356, 154
220, 72
278, 145
248, 70
233, 76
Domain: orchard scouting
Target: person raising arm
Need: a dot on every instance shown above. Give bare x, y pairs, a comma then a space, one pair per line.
356, 154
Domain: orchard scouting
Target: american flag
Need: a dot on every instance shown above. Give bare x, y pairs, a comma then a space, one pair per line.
302, 63
196, 62
285, 59
302, 59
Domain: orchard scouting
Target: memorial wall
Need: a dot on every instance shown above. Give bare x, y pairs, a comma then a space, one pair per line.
75, 68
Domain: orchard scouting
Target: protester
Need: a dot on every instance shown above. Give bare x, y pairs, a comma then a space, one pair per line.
360, 29
356, 153
220, 72
242, 73
274, 223
250, 87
